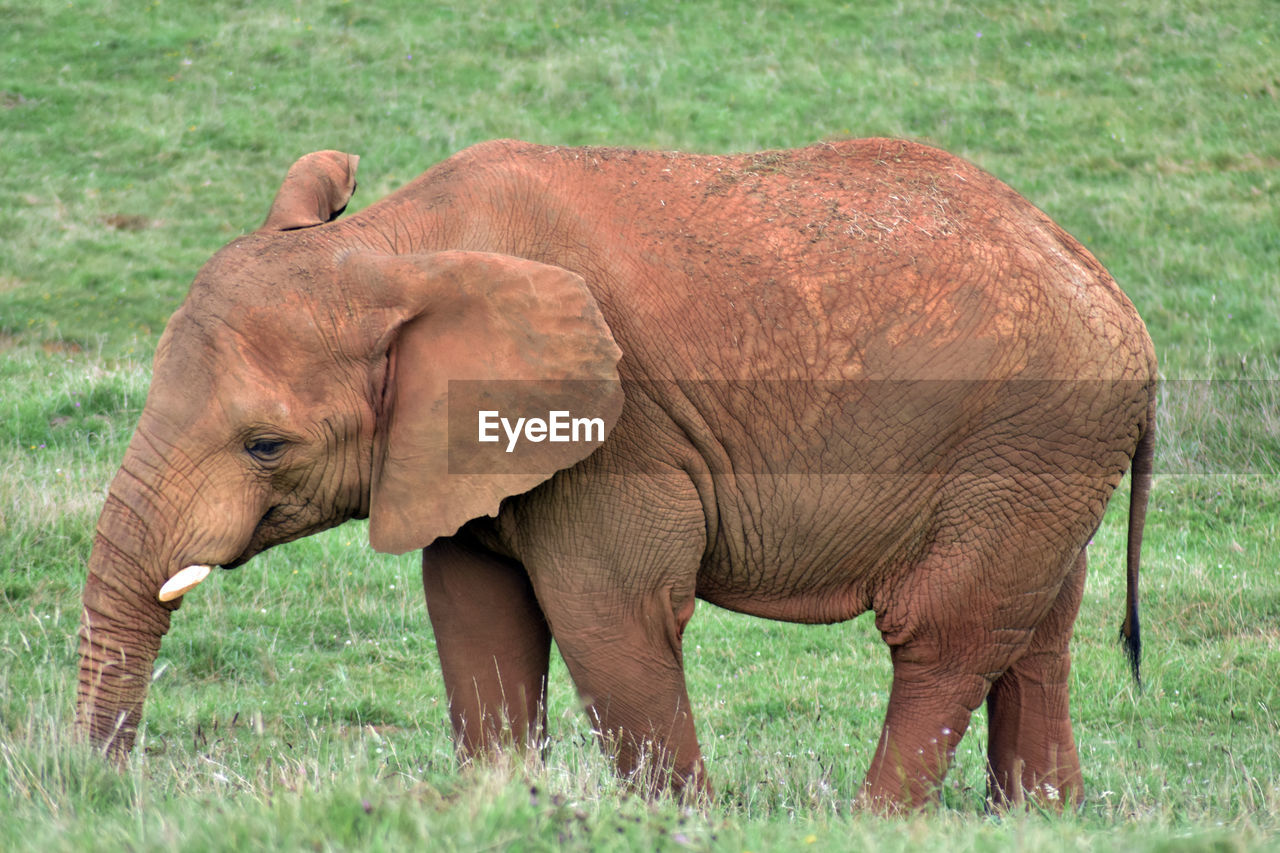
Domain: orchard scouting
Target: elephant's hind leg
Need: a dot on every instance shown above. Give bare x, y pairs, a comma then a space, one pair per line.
1031, 749
494, 646
954, 626
930, 703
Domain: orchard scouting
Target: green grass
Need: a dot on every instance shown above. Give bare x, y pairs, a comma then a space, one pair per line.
297, 703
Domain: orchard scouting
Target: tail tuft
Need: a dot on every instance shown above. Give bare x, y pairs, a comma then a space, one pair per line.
1131, 638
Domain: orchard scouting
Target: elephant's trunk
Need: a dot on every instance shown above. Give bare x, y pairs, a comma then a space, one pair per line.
120, 630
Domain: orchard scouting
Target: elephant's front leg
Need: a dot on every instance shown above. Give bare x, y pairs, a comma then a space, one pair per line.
618, 590
494, 646
617, 583
629, 670
627, 664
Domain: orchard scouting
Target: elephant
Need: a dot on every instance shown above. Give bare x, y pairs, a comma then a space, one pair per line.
864, 375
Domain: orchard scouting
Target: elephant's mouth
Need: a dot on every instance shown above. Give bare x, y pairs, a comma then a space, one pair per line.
265, 534
278, 525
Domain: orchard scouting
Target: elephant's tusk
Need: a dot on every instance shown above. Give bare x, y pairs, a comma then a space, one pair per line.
183, 582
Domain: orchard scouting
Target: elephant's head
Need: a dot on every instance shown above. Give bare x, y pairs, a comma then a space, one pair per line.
304, 382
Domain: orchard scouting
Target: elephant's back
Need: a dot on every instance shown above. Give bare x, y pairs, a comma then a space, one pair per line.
873, 258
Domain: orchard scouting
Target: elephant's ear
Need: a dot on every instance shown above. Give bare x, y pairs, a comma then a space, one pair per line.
315, 191
477, 338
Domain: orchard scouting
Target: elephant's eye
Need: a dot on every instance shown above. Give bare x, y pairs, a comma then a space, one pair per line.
265, 449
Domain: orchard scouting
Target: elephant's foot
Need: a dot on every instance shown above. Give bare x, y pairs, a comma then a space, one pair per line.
1014, 784
665, 763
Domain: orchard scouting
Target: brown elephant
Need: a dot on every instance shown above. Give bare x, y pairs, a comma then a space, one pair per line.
863, 375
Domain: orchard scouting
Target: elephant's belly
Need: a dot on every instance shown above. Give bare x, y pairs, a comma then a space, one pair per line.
819, 549
810, 608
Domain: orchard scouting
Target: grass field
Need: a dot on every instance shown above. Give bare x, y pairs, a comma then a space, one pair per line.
297, 703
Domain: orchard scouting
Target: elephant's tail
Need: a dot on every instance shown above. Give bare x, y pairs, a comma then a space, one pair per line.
1139, 492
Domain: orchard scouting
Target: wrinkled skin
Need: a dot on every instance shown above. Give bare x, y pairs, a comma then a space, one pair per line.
858, 376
